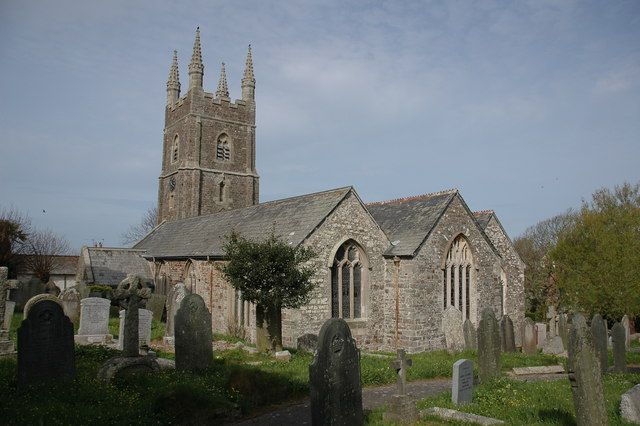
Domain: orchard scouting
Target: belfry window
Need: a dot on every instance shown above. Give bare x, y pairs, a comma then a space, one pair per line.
221, 192
456, 277
174, 149
223, 151
348, 280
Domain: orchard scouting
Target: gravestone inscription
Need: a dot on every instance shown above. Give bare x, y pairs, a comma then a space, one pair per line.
488, 346
94, 321
462, 383
193, 335
334, 377
618, 340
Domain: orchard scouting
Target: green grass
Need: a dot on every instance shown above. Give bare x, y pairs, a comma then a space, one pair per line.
157, 328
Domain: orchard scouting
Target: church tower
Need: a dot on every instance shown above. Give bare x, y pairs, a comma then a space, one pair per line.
209, 150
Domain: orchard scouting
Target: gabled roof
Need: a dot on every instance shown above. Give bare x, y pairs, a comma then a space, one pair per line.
291, 218
409, 221
483, 217
110, 265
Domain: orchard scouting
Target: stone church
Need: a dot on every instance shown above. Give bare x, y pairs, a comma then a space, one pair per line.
389, 268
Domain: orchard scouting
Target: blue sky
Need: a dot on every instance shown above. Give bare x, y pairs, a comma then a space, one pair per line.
526, 107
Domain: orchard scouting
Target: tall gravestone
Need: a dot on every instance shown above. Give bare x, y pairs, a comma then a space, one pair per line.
529, 337
462, 382
470, 336
94, 321
541, 334
156, 304
452, 328
174, 299
507, 337
71, 304
618, 339
145, 318
45, 345
401, 407
334, 377
563, 329
488, 346
599, 336
627, 331
193, 335
585, 376
6, 344
9, 309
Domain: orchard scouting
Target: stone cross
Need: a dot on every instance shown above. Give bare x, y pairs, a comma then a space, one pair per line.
5, 285
400, 365
132, 293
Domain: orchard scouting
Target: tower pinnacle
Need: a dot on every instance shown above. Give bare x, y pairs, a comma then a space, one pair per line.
173, 83
248, 79
196, 68
223, 90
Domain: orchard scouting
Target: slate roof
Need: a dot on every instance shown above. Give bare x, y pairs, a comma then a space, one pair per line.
483, 217
291, 218
109, 266
408, 221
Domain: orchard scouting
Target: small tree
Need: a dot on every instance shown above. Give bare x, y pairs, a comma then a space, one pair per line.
138, 231
43, 248
273, 275
14, 230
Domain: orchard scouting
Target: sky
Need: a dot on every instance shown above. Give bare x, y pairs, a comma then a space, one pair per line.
526, 107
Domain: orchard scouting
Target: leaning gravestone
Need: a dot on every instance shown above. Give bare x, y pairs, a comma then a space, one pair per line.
71, 304
470, 336
334, 377
508, 340
193, 335
6, 344
541, 334
401, 407
176, 294
307, 342
528, 337
488, 346
585, 376
94, 321
156, 304
599, 336
145, 317
462, 382
452, 328
618, 338
627, 331
45, 345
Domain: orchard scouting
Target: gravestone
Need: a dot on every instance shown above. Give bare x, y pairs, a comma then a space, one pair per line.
541, 334
552, 317
51, 288
94, 321
144, 327
71, 304
470, 336
452, 328
176, 294
553, 346
38, 298
630, 405
334, 377
6, 344
27, 290
193, 335
307, 342
9, 309
156, 304
618, 339
507, 337
488, 346
528, 337
599, 336
627, 331
45, 345
462, 382
585, 376
401, 407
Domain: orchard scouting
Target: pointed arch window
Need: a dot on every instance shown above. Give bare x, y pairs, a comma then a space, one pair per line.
456, 282
348, 281
174, 149
221, 192
223, 150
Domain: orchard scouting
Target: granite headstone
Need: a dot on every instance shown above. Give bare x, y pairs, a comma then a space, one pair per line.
508, 341
528, 337
489, 362
94, 321
599, 335
618, 339
452, 328
470, 335
462, 382
193, 335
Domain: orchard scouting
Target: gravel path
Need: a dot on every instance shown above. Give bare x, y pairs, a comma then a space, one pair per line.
372, 397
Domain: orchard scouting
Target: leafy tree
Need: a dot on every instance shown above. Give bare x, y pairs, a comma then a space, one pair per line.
14, 229
138, 231
597, 262
273, 275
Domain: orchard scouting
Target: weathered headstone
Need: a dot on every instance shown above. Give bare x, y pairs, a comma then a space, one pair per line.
156, 304
585, 376
307, 342
462, 382
45, 345
508, 340
553, 346
71, 304
627, 331
618, 339
630, 405
6, 344
563, 329
452, 328
176, 294
599, 336
528, 337
38, 298
145, 317
541, 334
488, 346
94, 321
552, 317
401, 407
193, 335
470, 336
51, 288
334, 377
9, 309
27, 290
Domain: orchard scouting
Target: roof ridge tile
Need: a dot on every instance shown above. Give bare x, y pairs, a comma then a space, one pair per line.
413, 197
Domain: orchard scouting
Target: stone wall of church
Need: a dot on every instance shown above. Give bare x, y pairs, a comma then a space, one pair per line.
514, 268
421, 281
349, 221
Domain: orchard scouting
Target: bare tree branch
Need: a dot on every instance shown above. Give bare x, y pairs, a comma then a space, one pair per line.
138, 231
43, 249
